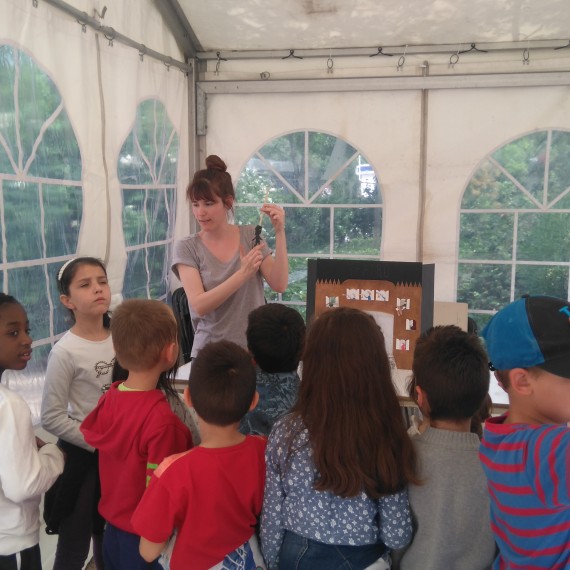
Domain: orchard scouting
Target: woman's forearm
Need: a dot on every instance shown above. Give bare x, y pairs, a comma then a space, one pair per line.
278, 275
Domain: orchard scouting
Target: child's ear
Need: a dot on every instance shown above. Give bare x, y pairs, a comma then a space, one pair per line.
422, 400
66, 302
520, 381
187, 398
170, 353
254, 401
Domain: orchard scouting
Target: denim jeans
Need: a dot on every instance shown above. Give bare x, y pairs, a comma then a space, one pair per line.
299, 553
121, 551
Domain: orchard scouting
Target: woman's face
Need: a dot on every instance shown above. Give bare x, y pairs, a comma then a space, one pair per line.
210, 213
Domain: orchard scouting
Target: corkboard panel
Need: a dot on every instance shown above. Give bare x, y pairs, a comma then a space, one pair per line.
395, 306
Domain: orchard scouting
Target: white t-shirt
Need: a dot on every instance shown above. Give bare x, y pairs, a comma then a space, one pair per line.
78, 372
25, 473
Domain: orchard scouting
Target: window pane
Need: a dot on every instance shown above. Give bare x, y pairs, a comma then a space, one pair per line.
327, 154
134, 225
356, 184
544, 237
21, 220
135, 275
150, 152
308, 230
170, 165
132, 169
137, 278
28, 285
525, 159
357, 231
157, 270
559, 165
563, 203
286, 154
157, 215
541, 280
484, 286
58, 155
486, 236
256, 183
491, 189
297, 287
7, 107
63, 209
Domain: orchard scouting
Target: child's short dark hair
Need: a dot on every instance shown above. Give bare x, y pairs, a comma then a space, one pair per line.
451, 367
275, 337
222, 383
141, 328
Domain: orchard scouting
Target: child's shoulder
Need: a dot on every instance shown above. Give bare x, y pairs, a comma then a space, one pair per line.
277, 378
169, 461
10, 398
499, 436
257, 441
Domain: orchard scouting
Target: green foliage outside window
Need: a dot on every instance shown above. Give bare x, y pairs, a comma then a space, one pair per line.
515, 224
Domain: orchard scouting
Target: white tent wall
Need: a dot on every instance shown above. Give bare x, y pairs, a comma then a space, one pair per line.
100, 94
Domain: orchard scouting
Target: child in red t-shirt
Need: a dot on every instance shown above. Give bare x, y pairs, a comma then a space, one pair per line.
212, 495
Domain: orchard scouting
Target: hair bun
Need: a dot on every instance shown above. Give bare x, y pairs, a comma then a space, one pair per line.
214, 162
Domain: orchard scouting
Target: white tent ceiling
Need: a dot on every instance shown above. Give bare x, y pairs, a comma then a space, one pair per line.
306, 24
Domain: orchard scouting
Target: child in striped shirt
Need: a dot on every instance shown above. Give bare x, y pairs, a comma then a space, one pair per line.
526, 452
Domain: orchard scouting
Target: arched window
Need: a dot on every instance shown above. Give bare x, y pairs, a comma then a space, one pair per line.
515, 224
41, 196
147, 170
331, 197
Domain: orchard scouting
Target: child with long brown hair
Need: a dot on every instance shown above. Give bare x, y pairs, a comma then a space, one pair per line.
338, 465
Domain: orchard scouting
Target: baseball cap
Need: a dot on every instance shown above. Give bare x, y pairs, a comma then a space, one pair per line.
532, 331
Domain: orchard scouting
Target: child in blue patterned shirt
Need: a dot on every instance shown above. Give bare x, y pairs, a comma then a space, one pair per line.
275, 337
338, 465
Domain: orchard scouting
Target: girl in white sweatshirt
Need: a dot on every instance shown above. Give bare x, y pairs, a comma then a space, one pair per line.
28, 466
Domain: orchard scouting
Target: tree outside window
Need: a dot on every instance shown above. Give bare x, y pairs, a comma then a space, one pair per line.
332, 202
515, 224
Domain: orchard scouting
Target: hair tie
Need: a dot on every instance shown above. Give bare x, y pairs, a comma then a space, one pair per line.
64, 267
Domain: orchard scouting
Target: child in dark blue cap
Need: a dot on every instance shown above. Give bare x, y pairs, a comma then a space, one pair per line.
526, 452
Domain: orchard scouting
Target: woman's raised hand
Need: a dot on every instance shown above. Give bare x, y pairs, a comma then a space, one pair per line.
276, 215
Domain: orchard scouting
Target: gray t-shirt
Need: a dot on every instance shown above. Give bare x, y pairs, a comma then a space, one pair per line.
229, 320
451, 513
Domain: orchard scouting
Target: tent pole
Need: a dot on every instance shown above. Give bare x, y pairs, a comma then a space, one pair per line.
423, 169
